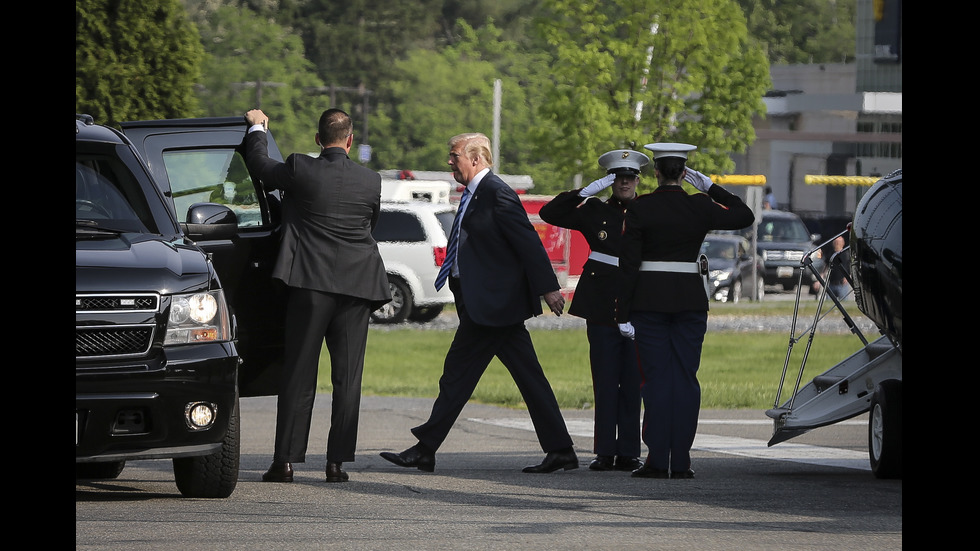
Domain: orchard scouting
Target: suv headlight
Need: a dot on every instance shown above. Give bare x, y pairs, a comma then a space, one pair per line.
198, 317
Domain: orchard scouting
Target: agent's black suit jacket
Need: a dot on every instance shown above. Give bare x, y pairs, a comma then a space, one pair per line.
331, 204
503, 266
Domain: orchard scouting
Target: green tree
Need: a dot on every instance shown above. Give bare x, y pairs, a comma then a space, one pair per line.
803, 31
135, 60
434, 95
671, 71
253, 62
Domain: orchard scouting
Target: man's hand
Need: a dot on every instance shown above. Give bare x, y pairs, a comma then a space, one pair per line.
256, 116
626, 330
698, 180
597, 186
556, 302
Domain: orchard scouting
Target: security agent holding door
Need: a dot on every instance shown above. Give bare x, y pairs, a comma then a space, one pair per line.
336, 277
662, 302
615, 374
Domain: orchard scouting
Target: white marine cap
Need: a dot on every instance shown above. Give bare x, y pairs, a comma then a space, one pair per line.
623, 161
670, 149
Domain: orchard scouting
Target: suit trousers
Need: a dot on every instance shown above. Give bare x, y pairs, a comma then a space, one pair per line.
616, 389
669, 346
472, 349
313, 317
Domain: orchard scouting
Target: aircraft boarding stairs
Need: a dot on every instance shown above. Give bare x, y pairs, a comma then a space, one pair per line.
846, 389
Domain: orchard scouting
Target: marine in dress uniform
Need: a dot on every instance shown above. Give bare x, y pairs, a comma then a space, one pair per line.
615, 375
662, 300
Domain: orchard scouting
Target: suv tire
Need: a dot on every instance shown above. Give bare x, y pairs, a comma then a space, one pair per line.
214, 475
400, 306
423, 314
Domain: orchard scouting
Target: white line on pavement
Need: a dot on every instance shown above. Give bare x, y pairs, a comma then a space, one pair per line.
744, 447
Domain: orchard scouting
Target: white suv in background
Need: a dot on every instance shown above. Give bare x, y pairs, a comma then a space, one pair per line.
412, 238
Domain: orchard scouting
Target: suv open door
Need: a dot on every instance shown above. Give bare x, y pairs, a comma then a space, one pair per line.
197, 161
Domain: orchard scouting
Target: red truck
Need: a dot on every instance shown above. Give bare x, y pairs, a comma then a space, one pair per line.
567, 249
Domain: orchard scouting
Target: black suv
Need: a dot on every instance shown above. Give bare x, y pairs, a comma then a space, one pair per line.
782, 241
174, 321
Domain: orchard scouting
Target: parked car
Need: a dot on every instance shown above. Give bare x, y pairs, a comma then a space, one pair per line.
412, 239
174, 321
730, 269
782, 241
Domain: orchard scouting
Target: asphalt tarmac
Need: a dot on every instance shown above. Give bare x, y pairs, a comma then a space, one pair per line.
815, 491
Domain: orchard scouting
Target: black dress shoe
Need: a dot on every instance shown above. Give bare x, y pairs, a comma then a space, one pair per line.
418, 456
280, 471
564, 459
647, 471
682, 474
335, 474
601, 463
628, 463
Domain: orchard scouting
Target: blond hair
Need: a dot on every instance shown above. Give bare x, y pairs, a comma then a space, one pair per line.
475, 145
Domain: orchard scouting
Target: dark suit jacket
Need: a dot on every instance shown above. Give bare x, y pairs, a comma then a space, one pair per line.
503, 266
670, 225
330, 206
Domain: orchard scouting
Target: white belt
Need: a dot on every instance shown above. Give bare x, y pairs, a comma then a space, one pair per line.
660, 266
604, 258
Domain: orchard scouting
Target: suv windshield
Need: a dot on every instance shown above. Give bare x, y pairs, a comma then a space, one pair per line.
783, 230
107, 196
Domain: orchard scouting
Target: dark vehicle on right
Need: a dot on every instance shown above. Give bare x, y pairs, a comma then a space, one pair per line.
782, 240
730, 269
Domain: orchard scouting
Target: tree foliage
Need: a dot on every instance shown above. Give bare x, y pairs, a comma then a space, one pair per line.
255, 62
803, 31
671, 72
135, 60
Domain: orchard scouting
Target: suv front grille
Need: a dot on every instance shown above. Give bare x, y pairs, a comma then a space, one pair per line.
108, 340
794, 256
117, 303
114, 340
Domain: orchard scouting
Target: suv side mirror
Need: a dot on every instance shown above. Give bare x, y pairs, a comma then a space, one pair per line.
210, 221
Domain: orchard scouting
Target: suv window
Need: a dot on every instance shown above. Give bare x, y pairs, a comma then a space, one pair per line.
399, 226
446, 219
213, 176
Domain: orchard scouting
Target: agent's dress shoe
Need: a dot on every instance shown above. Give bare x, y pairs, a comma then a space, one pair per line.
418, 456
335, 474
647, 471
601, 463
563, 459
280, 471
682, 474
627, 463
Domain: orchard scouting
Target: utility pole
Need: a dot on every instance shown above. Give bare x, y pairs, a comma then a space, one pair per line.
258, 85
360, 90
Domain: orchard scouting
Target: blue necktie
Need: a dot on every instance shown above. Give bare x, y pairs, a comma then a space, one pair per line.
447, 264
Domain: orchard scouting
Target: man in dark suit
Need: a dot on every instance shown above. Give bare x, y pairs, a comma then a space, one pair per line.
499, 273
330, 263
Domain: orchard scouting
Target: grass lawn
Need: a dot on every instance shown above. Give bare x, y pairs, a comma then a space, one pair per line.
738, 370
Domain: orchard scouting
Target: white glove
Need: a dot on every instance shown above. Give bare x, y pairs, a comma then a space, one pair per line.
626, 330
697, 180
597, 186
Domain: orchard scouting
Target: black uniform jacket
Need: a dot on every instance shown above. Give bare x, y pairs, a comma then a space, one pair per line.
601, 223
669, 224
